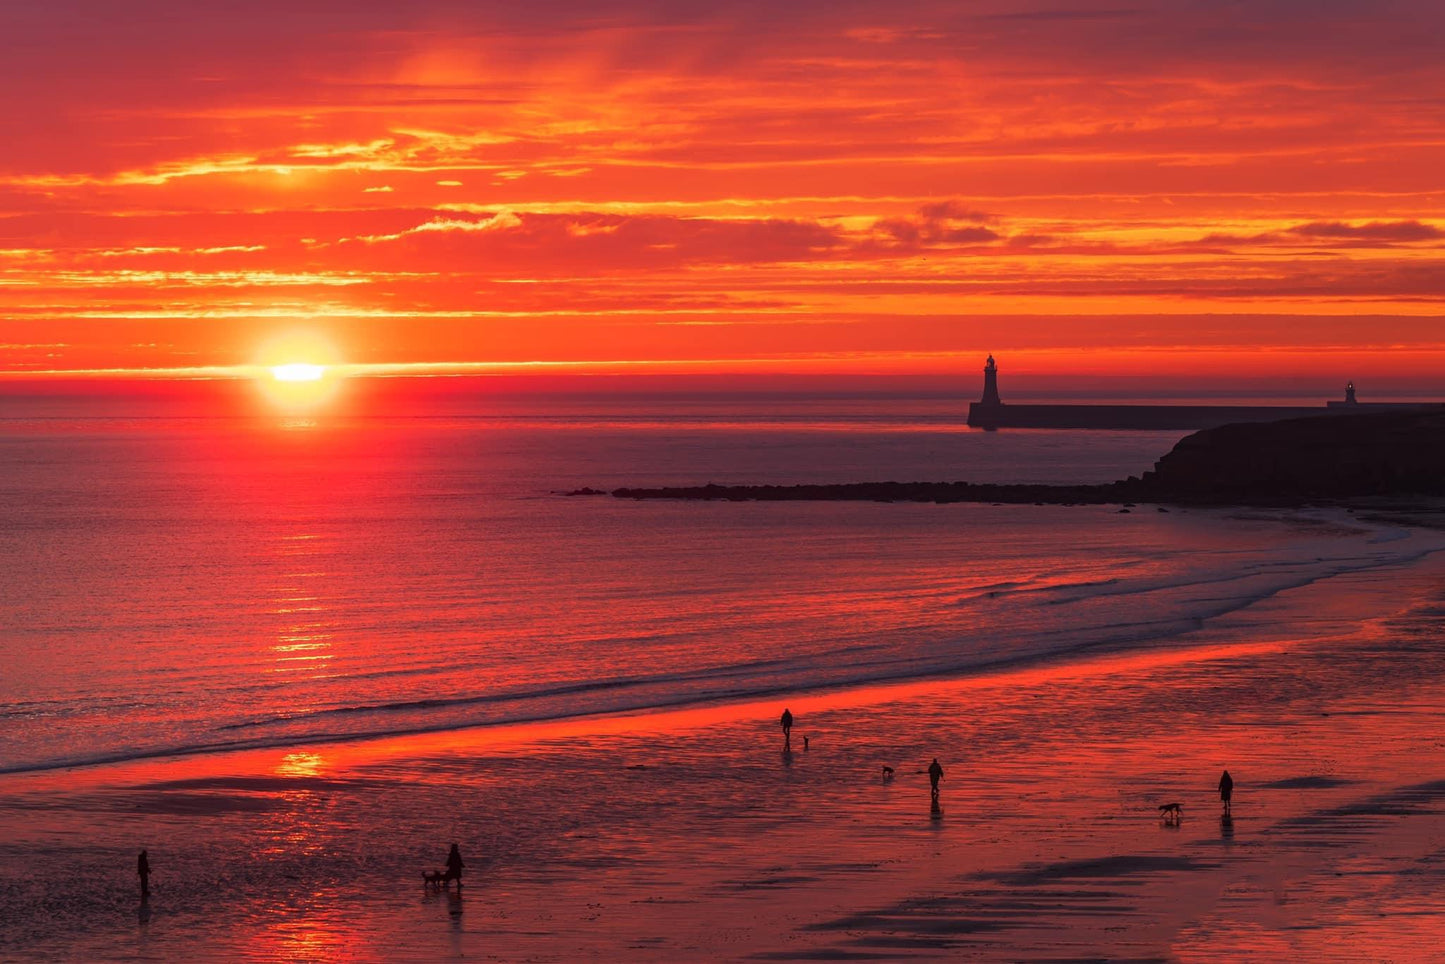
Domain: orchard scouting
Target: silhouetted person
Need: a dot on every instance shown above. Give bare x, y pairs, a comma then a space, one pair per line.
1226, 790
805, 744
143, 870
935, 773
454, 866
787, 724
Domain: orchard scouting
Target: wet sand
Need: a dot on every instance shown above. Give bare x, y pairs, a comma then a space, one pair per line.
690, 835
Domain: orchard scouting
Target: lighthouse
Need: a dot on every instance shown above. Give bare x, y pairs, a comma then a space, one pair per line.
990, 384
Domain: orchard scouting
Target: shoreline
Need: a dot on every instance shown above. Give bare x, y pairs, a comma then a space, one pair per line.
1314, 698
516, 735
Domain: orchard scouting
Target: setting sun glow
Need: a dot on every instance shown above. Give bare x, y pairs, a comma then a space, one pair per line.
294, 385
1060, 183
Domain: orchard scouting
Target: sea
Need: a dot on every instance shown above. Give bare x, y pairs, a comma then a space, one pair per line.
296, 654
192, 571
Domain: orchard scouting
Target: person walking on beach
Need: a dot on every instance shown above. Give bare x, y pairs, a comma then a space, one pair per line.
935, 773
1226, 790
787, 724
143, 870
454, 866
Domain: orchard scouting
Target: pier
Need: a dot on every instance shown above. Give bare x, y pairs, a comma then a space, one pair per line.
990, 412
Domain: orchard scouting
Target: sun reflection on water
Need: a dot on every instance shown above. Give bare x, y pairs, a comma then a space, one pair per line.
303, 636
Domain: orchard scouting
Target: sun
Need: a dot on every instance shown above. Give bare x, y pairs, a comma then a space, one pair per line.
298, 372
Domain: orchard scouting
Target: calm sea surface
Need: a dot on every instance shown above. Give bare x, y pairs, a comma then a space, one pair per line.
173, 583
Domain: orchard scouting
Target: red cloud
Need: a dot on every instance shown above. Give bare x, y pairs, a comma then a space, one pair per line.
1373, 231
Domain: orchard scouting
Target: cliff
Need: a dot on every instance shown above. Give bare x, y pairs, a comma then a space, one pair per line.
1290, 462
1307, 459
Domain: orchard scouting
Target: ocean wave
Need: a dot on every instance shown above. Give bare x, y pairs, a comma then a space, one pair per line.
1145, 595
862, 663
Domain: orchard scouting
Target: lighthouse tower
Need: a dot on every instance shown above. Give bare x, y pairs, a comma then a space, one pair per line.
990, 384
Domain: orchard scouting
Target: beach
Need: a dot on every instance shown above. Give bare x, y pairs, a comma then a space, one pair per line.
689, 834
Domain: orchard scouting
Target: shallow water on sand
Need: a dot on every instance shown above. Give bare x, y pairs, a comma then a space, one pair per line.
688, 834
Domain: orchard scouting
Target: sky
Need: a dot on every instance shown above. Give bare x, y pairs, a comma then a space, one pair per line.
1172, 189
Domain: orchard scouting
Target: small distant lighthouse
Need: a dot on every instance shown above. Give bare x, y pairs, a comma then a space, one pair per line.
990, 384
1350, 394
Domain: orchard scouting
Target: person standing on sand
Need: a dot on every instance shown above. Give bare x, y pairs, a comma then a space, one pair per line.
143, 870
454, 866
1226, 790
787, 724
935, 773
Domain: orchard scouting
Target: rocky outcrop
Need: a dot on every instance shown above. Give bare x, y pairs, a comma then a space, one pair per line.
894, 492
1291, 462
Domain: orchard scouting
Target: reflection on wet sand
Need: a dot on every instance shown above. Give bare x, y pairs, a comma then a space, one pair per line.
322, 934
697, 844
301, 764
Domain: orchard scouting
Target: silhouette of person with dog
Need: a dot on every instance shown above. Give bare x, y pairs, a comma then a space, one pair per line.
1226, 790
787, 723
935, 773
454, 866
143, 870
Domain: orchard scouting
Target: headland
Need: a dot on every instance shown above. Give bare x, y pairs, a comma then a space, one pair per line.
1324, 458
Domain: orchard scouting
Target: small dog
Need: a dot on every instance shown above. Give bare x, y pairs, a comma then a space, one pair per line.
435, 878
888, 773
1171, 811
